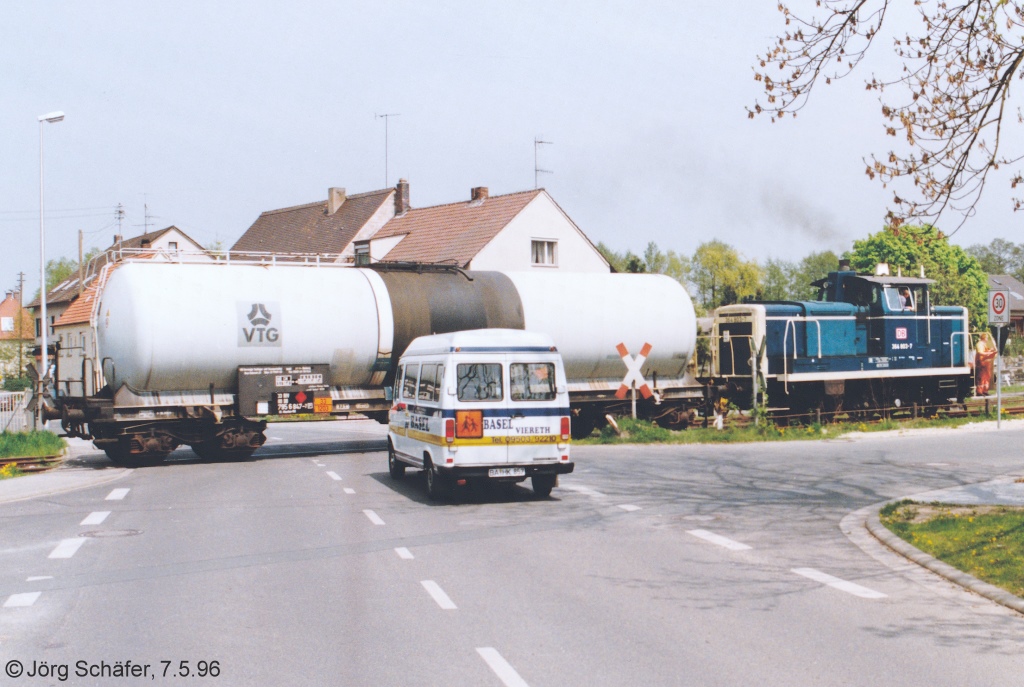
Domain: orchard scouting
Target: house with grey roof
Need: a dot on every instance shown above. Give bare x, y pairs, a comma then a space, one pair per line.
1007, 283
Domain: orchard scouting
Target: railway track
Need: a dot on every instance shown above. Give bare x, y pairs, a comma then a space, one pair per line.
34, 464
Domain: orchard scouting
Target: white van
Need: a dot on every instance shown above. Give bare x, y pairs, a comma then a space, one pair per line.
487, 404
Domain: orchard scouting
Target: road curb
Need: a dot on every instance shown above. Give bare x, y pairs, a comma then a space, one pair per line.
895, 543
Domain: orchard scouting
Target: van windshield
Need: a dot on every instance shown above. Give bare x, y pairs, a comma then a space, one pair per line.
479, 382
532, 381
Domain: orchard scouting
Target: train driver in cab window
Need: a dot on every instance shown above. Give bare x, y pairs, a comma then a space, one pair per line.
906, 298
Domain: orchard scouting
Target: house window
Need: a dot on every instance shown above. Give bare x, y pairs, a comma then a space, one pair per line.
545, 253
39, 327
6, 324
172, 245
362, 250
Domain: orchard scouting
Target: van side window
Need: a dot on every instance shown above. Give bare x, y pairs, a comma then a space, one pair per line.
479, 382
438, 382
532, 381
428, 383
398, 382
412, 375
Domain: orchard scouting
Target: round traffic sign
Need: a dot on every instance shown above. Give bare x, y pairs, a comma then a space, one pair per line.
998, 303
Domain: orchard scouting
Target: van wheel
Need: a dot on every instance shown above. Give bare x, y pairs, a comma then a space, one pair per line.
435, 486
395, 466
543, 484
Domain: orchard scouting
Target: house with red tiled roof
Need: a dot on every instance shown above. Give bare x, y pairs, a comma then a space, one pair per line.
325, 227
15, 335
515, 231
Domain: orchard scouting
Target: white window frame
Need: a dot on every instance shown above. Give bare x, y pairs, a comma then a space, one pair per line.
548, 254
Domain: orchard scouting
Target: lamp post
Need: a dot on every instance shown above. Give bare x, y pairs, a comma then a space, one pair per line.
52, 118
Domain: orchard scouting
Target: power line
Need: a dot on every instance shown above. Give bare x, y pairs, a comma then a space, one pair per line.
49, 212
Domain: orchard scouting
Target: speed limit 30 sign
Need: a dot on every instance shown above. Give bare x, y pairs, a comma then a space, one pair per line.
998, 306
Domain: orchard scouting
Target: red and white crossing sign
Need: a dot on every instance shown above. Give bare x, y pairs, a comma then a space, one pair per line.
633, 375
998, 306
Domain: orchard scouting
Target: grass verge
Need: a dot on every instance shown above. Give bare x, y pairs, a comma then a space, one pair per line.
984, 541
643, 432
33, 444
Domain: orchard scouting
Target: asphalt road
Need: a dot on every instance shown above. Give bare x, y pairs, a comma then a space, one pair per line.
713, 565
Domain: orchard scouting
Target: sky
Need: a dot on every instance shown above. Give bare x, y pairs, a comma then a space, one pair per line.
210, 113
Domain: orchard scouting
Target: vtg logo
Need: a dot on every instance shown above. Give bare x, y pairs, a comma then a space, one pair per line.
259, 324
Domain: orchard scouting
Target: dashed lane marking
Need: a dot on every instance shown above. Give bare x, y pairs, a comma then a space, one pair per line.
349, 490
438, 595
404, 553
67, 548
21, 600
502, 668
841, 585
36, 578
719, 539
580, 489
374, 518
629, 508
117, 494
95, 518
333, 475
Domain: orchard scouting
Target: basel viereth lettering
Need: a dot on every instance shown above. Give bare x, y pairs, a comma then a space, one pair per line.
259, 324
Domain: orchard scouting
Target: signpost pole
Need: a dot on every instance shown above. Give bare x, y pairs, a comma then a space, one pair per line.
999, 377
634, 399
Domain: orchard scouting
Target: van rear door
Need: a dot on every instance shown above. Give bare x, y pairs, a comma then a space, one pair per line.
481, 410
534, 409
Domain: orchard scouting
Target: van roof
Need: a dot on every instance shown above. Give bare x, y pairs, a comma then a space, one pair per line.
482, 340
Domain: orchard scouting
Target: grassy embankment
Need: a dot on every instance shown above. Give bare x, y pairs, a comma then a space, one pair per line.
984, 541
26, 445
642, 432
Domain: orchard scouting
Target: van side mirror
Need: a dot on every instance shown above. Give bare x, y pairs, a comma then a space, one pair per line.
560, 389
451, 391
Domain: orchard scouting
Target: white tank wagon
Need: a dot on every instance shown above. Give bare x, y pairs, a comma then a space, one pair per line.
196, 353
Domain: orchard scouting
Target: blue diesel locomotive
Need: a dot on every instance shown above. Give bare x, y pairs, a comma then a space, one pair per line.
868, 342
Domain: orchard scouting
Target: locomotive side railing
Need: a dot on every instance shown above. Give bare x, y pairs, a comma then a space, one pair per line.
785, 337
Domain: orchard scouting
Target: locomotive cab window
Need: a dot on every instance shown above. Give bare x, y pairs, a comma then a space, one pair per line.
532, 381
899, 298
479, 382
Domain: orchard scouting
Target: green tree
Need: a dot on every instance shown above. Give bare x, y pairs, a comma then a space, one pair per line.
959, 278
621, 262
720, 276
1000, 257
671, 263
777, 284
813, 267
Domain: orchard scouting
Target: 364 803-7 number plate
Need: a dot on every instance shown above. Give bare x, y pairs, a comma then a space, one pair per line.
506, 472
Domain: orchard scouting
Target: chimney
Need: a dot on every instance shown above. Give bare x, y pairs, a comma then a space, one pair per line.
146, 243
478, 193
401, 197
117, 239
335, 197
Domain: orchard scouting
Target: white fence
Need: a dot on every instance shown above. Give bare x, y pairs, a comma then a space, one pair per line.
12, 411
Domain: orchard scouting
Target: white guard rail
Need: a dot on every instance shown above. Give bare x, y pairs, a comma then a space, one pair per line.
12, 411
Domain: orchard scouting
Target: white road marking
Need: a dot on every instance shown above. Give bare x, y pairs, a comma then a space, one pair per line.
95, 518
117, 494
404, 553
629, 508
505, 672
333, 475
39, 577
67, 548
438, 595
374, 518
842, 585
349, 491
21, 600
718, 539
580, 489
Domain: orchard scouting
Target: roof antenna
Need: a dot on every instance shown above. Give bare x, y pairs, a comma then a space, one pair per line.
537, 143
385, 118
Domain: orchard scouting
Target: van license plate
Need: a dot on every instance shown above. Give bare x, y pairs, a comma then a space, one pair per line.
506, 472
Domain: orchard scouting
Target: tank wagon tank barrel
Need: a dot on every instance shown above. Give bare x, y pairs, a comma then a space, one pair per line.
183, 346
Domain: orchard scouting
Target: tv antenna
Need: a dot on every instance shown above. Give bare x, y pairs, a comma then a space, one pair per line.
537, 171
385, 117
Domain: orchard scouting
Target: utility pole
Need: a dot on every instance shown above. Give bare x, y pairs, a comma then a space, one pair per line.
385, 117
81, 267
21, 323
537, 143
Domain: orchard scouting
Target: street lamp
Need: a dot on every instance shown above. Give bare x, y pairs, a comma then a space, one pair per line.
52, 118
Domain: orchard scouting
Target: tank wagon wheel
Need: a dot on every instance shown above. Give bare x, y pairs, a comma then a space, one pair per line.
120, 454
543, 484
581, 426
435, 486
209, 450
396, 468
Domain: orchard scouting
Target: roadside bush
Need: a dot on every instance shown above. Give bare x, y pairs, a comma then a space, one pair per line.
33, 444
17, 383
